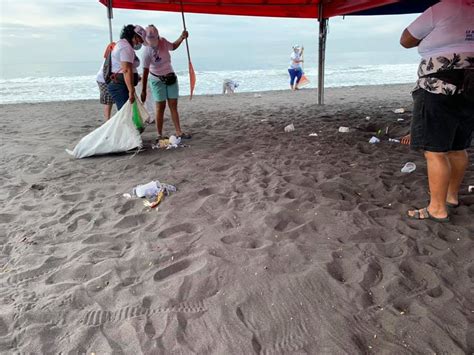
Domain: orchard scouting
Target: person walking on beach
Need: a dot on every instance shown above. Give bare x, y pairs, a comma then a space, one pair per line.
443, 114
295, 69
124, 65
229, 86
163, 80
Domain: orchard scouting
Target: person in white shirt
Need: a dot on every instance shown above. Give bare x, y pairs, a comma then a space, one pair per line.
295, 69
229, 86
443, 114
163, 80
105, 98
124, 65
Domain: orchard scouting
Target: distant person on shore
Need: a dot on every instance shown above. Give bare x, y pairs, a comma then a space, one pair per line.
295, 69
124, 65
443, 114
105, 98
229, 86
163, 81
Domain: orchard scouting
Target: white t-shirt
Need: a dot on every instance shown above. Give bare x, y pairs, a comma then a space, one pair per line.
295, 56
158, 60
446, 27
123, 52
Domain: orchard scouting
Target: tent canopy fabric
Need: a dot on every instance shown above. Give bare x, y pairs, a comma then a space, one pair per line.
277, 8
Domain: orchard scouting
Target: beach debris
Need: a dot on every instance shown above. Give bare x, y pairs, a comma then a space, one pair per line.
127, 196
313, 134
399, 110
289, 128
470, 189
409, 167
367, 118
171, 142
257, 95
153, 188
343, 129
393, 140
374, 140
400, 119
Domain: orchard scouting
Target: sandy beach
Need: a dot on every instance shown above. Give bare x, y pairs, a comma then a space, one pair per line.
274, 243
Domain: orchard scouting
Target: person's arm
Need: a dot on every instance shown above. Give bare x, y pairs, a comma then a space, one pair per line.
180, 40
146, 71
127, 71
408, 41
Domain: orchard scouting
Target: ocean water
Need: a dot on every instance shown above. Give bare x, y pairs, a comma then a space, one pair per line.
42, 87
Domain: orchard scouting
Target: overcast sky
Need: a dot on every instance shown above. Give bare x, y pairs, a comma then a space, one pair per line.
47, 31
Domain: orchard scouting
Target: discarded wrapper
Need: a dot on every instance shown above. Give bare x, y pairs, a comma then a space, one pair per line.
399, 110
289, 128
409, 167
394, 140
343, 129
313, 134
374, 140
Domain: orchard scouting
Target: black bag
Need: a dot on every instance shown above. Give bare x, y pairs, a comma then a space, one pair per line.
107, 68
168, 79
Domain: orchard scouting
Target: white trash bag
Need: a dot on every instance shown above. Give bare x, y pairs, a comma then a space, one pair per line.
118, 134
150, 103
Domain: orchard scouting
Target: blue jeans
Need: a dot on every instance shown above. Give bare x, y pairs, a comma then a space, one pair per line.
295, 74
119, 93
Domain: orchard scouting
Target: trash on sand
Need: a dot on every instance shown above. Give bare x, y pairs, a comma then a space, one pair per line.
343, 129
127, 196
154, 192
399, 110
171, 142
400, 119
313, 134
394, 140
470, 189
409, 168
289, 128
257, 95
367, 118
374, 140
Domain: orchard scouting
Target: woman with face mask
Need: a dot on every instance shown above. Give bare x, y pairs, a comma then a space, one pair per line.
124, 65
163, 80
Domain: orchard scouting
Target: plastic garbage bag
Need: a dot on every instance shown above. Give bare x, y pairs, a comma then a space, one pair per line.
118, 134
149, 103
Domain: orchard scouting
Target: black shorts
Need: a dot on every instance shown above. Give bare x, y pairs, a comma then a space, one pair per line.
441, 123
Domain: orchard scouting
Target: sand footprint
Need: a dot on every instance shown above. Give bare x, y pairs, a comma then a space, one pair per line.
180, 230
243, 242
181, 268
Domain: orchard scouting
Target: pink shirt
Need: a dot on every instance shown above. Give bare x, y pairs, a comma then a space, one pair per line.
158, 60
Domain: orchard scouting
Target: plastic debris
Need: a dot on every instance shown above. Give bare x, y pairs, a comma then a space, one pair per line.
399, 110
171, 142
374, 140
127, 196
367, 118
409, 167
400, 119
154, 192
313, 134
257, 95
470, 189
289, 128
343, 129
394, 140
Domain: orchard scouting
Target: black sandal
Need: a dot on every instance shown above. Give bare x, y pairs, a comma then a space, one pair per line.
424, 214
185, 136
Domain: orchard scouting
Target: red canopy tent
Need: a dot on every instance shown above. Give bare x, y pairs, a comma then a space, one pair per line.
318, 9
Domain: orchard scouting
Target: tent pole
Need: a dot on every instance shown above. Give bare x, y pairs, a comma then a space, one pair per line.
322, 53
110, 16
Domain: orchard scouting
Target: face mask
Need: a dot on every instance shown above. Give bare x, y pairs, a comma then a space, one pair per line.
137, 47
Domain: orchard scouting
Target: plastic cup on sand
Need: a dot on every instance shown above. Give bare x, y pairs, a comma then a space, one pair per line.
409, 168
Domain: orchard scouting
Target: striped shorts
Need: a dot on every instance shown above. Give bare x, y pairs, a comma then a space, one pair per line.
105, 97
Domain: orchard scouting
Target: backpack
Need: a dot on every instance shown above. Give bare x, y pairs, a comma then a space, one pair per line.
107, 68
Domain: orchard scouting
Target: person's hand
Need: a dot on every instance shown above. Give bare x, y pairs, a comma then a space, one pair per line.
184, 35
143, 96
131, 97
